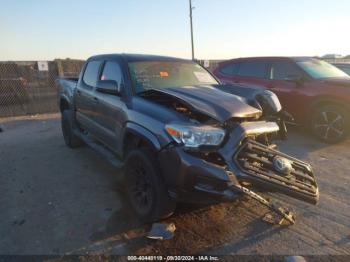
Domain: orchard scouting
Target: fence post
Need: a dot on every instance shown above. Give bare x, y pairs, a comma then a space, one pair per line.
60, 68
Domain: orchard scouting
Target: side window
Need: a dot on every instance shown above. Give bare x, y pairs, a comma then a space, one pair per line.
230, 69
346, 69
253, 69
91, 73
283, 70
112, 71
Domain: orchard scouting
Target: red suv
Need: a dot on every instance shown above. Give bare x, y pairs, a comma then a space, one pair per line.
316, 93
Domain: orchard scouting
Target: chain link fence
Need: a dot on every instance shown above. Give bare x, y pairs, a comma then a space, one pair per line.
211, 65
28, 88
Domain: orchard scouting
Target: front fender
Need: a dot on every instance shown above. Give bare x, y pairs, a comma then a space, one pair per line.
143, 133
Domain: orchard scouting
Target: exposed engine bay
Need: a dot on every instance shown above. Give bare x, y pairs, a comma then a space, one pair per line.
265, 101
179, 106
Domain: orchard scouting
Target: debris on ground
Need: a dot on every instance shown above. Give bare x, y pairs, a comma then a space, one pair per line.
162, 231
270, 218
275, 219
1, 130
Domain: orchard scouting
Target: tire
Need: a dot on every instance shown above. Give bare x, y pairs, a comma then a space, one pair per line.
145, 189
68, 127
330, 123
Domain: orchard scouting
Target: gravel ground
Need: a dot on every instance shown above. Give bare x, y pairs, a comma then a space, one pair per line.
55, 200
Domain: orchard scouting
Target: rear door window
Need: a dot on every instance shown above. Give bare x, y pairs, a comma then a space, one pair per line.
230, 69
256, 69
91, 73
345, 68
284, 70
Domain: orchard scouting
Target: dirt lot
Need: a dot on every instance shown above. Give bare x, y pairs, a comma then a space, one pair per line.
55, 200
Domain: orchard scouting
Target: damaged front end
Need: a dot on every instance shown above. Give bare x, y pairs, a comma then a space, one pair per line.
261, 165
222, 148
239, 165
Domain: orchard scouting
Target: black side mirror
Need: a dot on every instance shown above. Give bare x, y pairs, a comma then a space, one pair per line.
108, 87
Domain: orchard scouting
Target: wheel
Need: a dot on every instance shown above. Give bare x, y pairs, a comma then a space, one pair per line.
330, 123
146, 191
68, 126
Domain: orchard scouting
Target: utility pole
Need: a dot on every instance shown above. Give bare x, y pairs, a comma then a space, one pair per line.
191, 8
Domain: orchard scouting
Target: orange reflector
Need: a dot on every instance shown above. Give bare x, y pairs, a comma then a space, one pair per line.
172, 132
163, 74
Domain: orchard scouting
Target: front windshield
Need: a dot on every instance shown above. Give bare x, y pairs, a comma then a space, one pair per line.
147, 75
319, 69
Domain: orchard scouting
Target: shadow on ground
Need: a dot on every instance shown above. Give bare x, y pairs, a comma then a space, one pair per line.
198, 229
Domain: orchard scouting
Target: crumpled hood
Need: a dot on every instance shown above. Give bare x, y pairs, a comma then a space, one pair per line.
338, 81
213, 102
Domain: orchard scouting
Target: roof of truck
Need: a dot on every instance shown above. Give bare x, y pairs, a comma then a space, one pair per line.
138, 57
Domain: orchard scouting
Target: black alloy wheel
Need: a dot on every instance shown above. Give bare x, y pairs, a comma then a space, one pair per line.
142, 193
68, 127
146, 191
330, 123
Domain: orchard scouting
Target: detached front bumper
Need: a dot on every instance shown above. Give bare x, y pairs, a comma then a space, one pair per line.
211, 177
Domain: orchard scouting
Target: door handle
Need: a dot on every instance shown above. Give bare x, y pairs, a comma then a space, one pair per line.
237, 81
78, 92
95, 99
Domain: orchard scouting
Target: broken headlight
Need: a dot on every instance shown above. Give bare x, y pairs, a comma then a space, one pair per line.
195, 136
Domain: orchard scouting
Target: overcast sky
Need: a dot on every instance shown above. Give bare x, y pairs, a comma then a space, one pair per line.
48, 29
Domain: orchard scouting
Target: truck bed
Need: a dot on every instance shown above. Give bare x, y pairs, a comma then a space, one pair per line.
70, 82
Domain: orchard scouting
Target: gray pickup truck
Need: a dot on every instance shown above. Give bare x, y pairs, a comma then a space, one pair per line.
179, 135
